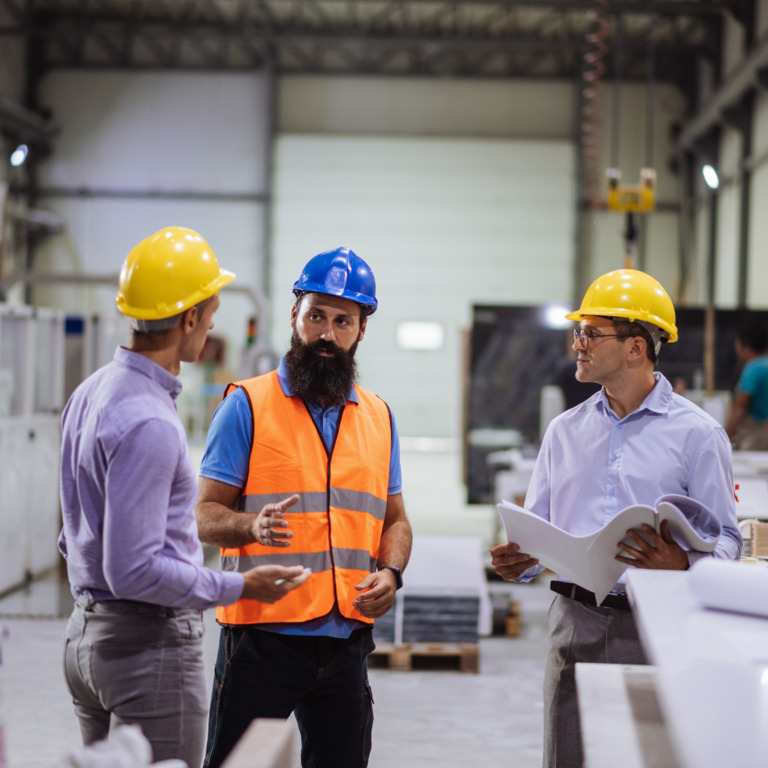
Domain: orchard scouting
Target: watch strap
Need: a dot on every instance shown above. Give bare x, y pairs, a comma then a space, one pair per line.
396, 571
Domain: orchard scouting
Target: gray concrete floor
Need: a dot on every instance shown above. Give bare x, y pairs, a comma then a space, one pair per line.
428, 717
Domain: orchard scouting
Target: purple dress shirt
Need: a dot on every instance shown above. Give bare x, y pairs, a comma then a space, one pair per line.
128, 492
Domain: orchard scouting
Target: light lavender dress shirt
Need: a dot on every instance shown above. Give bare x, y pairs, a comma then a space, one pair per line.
128, 490
592, 464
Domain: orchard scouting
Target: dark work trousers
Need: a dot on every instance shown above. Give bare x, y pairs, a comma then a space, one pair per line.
142, 664
579, 632
323, 680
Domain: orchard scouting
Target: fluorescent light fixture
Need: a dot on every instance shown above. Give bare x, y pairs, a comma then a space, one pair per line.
554, 317
710, 176
19, 155
422, 335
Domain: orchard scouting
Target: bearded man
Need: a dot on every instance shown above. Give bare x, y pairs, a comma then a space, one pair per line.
302, 466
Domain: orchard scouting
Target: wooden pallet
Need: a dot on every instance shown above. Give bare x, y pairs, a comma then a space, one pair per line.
508, 623
402, 657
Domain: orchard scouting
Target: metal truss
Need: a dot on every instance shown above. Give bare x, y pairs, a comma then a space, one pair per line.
430, 38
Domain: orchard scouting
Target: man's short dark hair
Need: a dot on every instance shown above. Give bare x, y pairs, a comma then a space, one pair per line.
627, 330
157, 329
754, 336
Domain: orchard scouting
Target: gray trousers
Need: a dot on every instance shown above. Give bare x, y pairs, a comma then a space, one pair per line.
128, 662
579, 632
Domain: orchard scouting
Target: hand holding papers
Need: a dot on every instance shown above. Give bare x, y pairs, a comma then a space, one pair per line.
589, 560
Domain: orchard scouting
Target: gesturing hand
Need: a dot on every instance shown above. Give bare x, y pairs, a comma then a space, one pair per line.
269, 528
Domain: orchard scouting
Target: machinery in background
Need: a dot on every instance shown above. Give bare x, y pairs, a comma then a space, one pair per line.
631, 201
32, 361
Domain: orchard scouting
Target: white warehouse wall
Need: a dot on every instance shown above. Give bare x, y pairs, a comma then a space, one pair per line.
444, 224
154, 150
426, 107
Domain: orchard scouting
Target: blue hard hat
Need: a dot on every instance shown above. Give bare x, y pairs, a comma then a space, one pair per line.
340, 272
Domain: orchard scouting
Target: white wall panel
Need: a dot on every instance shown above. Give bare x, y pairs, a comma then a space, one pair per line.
179, 134
760, 128
157, 131
444, 224
757, 296
726, 278
733, 45
761, 17
426, 106
100, 233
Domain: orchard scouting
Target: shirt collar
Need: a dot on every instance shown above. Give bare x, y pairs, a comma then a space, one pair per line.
657, 400
149, 368
282, 377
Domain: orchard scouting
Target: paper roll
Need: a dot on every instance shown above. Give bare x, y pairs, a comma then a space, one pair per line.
727, 585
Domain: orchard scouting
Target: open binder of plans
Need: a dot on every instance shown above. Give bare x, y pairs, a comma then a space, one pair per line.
589, 560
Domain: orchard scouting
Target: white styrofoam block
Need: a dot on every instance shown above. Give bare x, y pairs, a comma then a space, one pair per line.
450, 565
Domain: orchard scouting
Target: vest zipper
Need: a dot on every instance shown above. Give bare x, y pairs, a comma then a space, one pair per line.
329, 453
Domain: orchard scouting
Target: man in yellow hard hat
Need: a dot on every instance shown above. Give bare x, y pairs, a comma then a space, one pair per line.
630, 443
133, 650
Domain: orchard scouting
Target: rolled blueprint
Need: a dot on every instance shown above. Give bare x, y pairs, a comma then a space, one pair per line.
727, 585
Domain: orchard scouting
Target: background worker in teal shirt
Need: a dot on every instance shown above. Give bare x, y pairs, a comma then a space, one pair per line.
747, 423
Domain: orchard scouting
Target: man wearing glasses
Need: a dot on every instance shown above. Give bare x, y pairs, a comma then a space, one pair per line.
629, 443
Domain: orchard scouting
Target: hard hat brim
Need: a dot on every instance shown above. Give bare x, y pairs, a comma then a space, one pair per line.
631, 315
358, 298
225, 277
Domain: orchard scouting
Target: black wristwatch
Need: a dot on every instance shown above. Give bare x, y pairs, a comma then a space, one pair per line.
396, 571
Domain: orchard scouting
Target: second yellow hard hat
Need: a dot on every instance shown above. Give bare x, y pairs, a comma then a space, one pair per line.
631, 294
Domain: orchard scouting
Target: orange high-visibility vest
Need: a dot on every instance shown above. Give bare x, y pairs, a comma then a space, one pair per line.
338, 521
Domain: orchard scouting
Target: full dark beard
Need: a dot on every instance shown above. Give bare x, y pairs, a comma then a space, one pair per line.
323, 381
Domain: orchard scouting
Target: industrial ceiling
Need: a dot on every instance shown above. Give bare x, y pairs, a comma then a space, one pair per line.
631, 39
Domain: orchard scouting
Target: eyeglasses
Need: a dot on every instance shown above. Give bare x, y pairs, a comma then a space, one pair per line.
587, 338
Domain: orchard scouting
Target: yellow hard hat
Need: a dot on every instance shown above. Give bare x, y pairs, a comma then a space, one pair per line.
167, 273
630, 294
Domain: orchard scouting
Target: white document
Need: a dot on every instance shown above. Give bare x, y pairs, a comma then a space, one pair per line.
589, 561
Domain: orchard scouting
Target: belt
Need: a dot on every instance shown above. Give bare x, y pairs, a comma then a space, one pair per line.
581, 595
129, 608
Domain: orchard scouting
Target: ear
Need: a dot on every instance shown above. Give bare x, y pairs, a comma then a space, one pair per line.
294, 315
190, 320
363, 325
637, 348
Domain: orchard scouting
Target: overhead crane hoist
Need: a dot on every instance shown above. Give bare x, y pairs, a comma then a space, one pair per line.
631, 201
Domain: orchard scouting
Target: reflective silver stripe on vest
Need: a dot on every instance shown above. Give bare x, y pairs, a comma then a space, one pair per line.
360, 501
308, 502
341, 498
317, 561
353, 559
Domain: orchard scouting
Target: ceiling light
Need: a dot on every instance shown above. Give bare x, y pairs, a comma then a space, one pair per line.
19, 155
710, 176
555, 317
